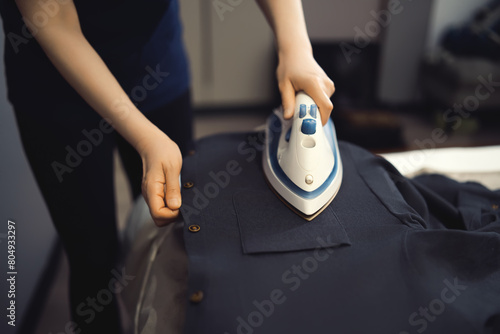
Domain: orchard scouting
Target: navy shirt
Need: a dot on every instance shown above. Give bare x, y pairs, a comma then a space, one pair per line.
140, 41
388, 255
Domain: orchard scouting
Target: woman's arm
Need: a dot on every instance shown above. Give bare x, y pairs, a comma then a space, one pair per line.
77, 61
297, 69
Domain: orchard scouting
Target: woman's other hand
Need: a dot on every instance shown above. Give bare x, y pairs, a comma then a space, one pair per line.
162, 162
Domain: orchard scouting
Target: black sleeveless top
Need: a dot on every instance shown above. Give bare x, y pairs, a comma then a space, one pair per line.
134, 38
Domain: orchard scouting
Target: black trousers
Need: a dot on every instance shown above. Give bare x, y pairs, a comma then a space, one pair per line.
70, 151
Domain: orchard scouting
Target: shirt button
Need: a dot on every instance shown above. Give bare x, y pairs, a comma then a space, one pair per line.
194, 228
196, 297
188, 185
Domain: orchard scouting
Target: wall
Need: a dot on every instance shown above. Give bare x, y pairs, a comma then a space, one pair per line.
334, 20
231, 53
411, 34
401, 52
449, 12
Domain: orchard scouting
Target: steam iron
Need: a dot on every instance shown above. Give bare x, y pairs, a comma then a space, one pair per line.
301, 159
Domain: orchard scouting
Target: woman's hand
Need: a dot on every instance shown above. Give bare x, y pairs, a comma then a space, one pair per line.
299, 71
162, 162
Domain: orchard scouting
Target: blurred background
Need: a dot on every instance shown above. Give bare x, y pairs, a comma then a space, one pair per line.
405, 71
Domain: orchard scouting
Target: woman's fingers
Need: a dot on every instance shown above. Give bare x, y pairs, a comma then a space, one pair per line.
154, 190
321, 95
287, 98
173, 189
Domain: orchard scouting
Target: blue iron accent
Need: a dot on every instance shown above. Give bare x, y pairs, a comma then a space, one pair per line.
302, 111
313, 111
308, 126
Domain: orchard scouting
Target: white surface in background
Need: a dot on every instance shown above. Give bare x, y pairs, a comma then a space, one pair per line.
479, 164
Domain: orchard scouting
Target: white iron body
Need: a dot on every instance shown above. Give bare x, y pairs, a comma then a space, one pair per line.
301, 158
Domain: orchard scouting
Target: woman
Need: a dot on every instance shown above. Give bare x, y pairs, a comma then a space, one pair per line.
76, 70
